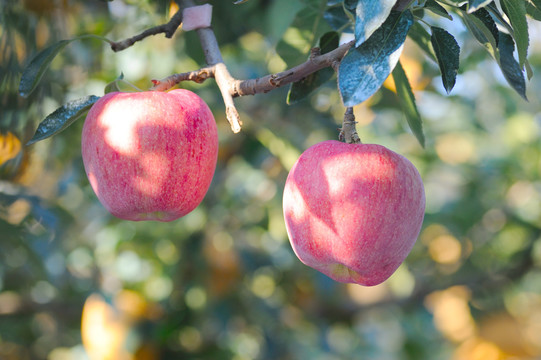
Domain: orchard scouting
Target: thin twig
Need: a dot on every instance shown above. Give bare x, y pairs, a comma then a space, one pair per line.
299, 72
197, 76
168, 28
266, 83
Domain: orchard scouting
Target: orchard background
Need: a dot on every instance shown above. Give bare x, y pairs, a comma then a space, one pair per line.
223, 282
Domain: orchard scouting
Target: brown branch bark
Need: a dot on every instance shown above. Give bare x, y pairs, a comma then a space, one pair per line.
299, 72
168, 28
349, 131
263, 84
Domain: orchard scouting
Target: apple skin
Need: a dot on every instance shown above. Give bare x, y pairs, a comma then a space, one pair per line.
150, 155
353, 211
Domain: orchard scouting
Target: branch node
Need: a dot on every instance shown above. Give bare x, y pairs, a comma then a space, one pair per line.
315, 52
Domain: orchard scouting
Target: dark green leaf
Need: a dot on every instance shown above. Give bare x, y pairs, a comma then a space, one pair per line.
422, 38
350, 5
511, 69
113, 85
407, 102
484, 29
63, 117
369, 15
437, 9
337, 19
498, 17
488, 21
364, 69
33, 73
448, 53
516, 11
300, 89
474, 5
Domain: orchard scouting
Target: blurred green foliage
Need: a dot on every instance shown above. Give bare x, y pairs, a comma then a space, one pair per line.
223, 282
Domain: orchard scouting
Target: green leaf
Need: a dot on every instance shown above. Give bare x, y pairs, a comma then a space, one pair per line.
278, 17
337, 19
511, 69
516, 11
422, 38
113, 85
407, 102
448, 53
533, 8
34, 71
474, 5
350, 5
303, 33
301, 89
498, 17
437, 9
369, 15
364, 69
63, 117
484, 29
529, 70
536, 3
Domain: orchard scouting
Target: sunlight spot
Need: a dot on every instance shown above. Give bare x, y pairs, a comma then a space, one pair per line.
222, 241
363, 295
158, 288
452, 315
167, 252
263, 285
455, 148
190, 338
196, 298
445, 249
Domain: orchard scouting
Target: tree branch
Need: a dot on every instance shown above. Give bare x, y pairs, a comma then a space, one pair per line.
263, 84
223, 78
299, 72
169, 29
231, 87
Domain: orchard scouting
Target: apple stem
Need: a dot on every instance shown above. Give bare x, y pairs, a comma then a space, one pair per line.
348, 132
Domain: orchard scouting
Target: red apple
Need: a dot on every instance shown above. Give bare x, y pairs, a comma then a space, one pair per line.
150, 155
353, 211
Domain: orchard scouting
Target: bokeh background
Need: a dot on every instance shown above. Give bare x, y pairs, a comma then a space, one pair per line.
223, 282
